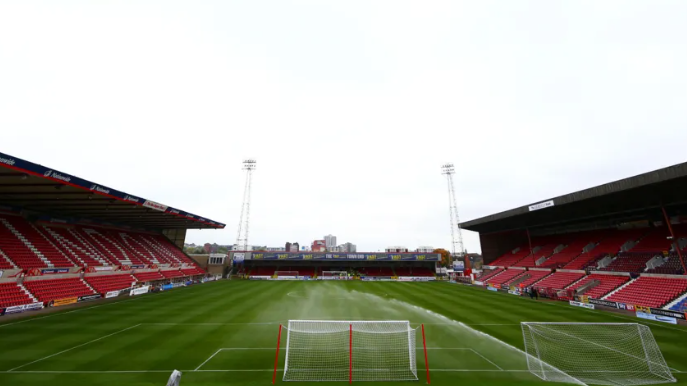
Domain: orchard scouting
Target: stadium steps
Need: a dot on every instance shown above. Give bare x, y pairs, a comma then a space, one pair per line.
46, 290
173, 253
40, 244
111, 249
676, 302
135, 257
27, 292
582, 261
12, 295
651, 291
93, 251
559, 280
78, 252
533, 277
491, 274
88, 285
139, 248
619, 288
65, 248
6, 262
575, 282
26, 242
106, 283
130, 257
148, 276
56, 250
121, 240
165, 256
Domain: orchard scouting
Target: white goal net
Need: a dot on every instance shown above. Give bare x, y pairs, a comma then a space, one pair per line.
334, 275
323, 350
597, 353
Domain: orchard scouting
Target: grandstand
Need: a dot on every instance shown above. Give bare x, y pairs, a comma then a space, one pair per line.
365, 266
621, 242
64, 239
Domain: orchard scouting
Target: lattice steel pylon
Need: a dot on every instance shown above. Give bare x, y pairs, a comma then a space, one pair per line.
244, 221
456, 234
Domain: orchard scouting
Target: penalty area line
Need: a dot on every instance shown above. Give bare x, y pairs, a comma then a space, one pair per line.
207, 360
75, 347
485, 358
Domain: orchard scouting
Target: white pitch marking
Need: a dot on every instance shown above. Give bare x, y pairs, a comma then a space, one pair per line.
207, 360
485, 358
213, 324
246, 348
75, 347
69, 312
445, 348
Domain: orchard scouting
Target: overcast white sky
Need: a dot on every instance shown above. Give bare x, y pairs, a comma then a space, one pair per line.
350, 107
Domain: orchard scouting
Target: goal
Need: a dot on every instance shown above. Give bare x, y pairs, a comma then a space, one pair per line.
597, 353
334, 275
286, 274
327, 350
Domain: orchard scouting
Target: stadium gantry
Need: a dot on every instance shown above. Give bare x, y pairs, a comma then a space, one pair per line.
618, 245
64, 240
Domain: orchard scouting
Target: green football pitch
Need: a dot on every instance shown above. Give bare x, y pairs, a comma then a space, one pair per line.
225, 333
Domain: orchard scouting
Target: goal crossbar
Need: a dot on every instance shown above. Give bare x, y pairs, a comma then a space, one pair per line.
340, 350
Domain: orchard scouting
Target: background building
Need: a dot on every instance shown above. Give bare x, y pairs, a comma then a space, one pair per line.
291, 247
425, 249
330, 241
348, 247
319, 246
396, 249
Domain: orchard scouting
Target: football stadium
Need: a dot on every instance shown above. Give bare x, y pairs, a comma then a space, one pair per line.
585, 288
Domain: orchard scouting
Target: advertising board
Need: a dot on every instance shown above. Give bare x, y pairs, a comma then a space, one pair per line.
23, 308
54, 271
139, 291
63, 302
416, 278
90, 297
583, 305
605, 303
658, 318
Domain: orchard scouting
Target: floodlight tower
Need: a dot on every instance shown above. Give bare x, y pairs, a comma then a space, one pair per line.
244, 221
456, 235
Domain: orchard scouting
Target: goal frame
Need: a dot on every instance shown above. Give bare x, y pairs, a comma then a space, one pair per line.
334, 275
645, 363
412, 357
295, 276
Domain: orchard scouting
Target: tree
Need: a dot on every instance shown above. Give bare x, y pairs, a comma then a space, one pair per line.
446, 260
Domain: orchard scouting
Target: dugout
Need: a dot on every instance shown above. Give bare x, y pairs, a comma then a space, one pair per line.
650, 200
